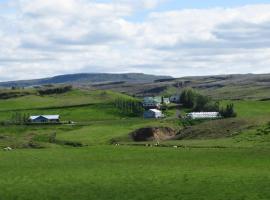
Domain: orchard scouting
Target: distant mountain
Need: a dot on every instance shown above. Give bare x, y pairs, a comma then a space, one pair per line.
87, 78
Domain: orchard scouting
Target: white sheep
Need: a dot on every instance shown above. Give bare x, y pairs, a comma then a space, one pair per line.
7, 149
175, 147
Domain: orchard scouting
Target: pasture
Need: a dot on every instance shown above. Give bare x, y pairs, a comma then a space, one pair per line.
108, 172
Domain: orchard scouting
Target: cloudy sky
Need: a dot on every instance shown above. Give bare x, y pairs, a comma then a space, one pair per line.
40, 38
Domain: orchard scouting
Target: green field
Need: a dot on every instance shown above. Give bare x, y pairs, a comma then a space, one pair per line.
135, 173
225, 159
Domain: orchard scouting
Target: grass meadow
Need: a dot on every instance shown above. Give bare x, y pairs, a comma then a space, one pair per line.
108, 172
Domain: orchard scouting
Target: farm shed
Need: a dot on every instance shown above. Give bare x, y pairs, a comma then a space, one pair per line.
203, 115
45, 119
153, 113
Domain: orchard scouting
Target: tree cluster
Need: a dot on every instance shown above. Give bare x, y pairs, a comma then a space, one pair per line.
55, 90
198, 102
19, 118
129, 107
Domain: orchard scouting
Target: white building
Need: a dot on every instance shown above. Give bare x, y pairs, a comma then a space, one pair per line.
203, 115
153, 113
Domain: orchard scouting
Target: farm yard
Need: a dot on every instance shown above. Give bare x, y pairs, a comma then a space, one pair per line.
97, 158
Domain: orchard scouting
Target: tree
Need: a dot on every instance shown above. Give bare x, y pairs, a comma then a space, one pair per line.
228, 112
188, 98
201, 103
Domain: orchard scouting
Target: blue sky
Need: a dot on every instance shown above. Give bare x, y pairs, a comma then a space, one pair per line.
41, 38
170, 5
184, 4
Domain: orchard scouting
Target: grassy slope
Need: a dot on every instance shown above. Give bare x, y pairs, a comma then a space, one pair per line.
251, 116
239, 92
79, 106
106, 123
76, 105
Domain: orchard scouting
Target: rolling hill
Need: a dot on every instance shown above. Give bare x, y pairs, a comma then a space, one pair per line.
87, 78
237, 86
234, 87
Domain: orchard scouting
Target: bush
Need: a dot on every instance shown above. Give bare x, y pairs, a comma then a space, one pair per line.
228, 111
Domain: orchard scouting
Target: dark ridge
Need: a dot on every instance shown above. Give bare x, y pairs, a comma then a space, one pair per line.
86, 78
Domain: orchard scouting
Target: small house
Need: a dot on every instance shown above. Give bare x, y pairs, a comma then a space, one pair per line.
203, 115
153, 114
166, 101
45, 119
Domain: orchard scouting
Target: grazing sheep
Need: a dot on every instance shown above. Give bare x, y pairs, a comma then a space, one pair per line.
175, 147
7, 149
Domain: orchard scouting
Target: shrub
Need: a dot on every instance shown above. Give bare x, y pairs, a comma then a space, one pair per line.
228, 111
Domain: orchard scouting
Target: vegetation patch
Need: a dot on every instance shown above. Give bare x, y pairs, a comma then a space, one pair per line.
8, 94
55, 90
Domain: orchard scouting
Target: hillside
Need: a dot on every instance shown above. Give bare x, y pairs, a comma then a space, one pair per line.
233, 87
246, 86
87, 78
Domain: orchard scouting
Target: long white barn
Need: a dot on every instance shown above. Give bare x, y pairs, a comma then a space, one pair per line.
203, 115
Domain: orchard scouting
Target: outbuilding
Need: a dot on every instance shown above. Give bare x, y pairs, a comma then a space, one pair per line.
44, 119
203, 115
153, 114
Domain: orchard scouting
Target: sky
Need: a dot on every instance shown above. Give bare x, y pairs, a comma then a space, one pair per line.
41, 38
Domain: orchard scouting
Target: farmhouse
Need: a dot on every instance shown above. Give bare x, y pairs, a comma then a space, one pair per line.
152, 102
44, 119
203, 115
153, 113
166, 101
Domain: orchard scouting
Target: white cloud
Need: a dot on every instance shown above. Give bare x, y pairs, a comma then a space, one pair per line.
42, 38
